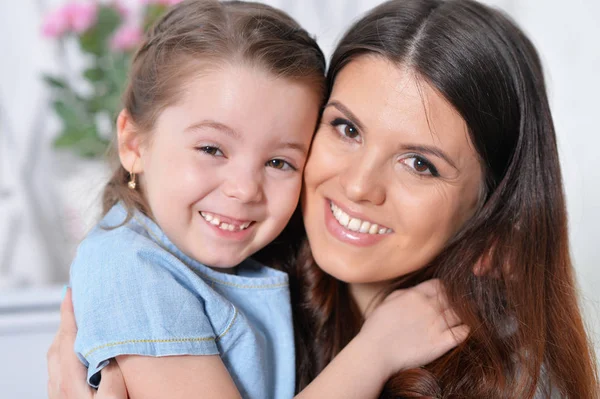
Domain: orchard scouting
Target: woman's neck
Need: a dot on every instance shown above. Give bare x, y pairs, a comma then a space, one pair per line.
365, 295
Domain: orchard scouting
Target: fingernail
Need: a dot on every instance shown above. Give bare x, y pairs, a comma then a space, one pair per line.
64, 292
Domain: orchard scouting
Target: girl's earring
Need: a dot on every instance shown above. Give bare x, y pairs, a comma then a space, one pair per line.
132, 184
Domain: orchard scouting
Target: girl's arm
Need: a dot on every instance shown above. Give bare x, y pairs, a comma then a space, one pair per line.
410, 328
177, 377
66, 374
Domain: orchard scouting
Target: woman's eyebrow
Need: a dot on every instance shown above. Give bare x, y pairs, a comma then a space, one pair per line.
344, 110
435, 151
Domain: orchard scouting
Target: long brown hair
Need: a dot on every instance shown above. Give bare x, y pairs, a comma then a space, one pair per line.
527, 335
197, 33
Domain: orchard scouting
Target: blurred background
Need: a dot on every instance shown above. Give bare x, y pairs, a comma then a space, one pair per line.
62, 69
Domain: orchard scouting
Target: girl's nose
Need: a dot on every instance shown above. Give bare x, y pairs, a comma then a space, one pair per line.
244, 187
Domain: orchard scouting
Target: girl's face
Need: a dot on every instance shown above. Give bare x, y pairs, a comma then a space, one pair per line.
222, 171
391, 177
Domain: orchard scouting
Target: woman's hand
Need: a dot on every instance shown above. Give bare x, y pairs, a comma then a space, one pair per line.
66, 374
412, 327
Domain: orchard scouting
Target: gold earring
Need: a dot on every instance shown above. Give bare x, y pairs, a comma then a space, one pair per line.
132, 184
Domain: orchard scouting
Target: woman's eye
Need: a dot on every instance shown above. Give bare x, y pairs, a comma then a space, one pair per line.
420, 165
211, 150
280, 164
346, 128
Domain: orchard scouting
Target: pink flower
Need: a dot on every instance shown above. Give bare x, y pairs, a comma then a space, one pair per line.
82, 16
72, 17
126, 38
121, 8
56, 23
161, 2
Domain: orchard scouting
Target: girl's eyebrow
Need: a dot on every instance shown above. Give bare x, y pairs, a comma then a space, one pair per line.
344, 110
214, 125
294, 146
235, 135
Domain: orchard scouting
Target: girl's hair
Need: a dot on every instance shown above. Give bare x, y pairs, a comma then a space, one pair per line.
197, 33
527, 335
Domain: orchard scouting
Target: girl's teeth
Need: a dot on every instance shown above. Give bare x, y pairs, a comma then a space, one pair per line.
214, 220
354, 224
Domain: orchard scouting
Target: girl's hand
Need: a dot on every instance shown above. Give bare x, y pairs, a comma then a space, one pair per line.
66, 374
412, 327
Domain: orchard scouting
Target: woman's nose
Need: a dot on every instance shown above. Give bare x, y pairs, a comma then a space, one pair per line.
362, 181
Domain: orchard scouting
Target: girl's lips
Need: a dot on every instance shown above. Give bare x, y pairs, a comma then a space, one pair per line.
341, 233
237, 234
225, 219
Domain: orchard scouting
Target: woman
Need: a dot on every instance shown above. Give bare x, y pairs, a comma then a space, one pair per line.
438, 130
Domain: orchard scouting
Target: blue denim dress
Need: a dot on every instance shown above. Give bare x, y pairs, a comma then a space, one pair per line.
135, 293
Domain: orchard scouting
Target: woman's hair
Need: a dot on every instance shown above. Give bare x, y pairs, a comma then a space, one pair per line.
197, 33
527, 335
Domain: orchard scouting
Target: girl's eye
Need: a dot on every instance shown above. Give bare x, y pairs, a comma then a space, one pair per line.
211, 150
420, 165
346, 128
280, 164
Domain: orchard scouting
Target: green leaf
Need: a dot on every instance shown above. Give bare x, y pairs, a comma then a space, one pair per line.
92, 146
94, 74
120, 70
152, 13
108, 21
68, 114
85, 141
67, 139
95, 40
54, 82
109, 102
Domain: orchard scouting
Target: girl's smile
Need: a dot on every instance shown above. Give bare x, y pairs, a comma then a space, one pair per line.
222, 171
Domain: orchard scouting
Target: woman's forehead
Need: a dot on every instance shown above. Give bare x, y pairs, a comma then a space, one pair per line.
393, 98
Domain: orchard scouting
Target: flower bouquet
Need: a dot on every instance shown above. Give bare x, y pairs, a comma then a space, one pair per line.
107, 35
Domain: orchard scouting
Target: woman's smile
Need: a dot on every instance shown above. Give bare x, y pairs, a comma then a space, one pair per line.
391, 176
352, 228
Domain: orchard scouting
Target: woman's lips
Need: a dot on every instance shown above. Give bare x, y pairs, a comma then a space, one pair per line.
371, 236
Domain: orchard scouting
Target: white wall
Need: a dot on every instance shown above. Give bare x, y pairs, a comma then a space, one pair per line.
46, 199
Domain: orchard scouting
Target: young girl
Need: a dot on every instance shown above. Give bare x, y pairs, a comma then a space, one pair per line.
219, 114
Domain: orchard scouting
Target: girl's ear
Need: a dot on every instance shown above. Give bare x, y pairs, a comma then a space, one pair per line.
128, 143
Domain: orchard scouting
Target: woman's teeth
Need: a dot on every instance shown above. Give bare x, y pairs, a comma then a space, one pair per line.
214, 220
354, 224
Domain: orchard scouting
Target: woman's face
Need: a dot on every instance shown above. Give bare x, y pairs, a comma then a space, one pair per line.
391, 177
